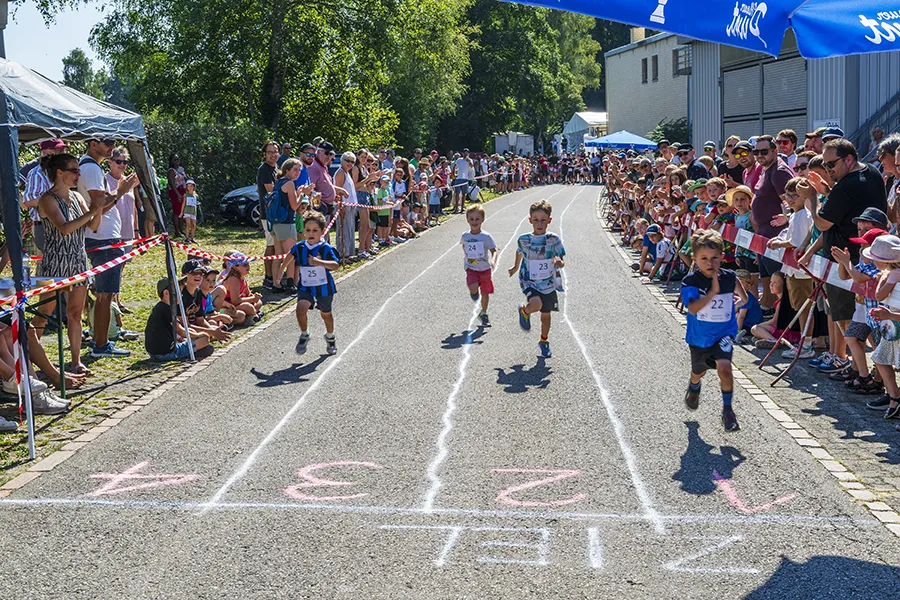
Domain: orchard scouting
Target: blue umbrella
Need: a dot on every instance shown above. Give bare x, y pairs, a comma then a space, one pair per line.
823, 27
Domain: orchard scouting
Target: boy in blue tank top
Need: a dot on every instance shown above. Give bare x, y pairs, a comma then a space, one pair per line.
708, 295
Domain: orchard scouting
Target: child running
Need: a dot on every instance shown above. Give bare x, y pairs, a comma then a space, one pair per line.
315, 259
708, 294
481, 258
539, 272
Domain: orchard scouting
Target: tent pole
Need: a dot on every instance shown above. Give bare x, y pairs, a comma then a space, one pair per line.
170, 255
12, 225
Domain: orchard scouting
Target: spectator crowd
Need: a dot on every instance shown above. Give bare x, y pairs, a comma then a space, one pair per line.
814, 199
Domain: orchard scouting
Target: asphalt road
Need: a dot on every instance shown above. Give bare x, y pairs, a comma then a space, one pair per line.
429, 459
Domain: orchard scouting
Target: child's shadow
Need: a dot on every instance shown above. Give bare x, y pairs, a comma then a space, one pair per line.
455, 342
699, 462
518, 379
293, 374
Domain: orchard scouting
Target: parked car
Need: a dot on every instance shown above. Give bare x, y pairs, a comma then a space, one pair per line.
242, 204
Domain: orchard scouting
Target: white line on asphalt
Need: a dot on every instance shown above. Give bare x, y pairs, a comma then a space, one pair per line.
618, 429
251, 459
688, 519
443, 450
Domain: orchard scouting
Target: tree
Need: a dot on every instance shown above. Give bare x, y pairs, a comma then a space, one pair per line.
674, 130
609, 35
79, 74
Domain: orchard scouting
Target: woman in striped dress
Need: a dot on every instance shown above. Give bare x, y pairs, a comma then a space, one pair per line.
65, 215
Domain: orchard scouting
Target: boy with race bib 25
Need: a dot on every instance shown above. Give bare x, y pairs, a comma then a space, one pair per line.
314, 261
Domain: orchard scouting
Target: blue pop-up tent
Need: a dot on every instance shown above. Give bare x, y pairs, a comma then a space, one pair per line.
823, 27
624, 140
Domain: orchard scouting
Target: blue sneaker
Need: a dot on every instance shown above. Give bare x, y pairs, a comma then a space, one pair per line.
544, 347
524, 319
109, 350
474, 296
818, 362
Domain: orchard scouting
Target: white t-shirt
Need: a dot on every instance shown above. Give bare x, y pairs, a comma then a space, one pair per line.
666, 250
126, 208
462, 169
484, 166
798, 228
93, 178
477, 250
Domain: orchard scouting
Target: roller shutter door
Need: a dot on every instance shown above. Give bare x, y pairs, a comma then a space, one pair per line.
784, 85
741, 91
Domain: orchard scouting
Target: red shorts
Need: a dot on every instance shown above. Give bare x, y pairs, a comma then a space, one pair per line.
480, 278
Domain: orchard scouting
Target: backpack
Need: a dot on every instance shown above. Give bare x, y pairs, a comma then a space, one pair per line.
277, 210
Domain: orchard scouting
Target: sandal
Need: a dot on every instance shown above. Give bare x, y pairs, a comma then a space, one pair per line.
858, 382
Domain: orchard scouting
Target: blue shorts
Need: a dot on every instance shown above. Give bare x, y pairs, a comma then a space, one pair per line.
434, 209
396, 213
323, 303
180, 352
109, 281
459, 185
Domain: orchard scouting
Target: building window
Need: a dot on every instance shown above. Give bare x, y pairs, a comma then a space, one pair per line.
681, 61
643, 70
654, 66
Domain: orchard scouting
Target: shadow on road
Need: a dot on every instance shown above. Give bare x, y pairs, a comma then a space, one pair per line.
455, 342
293, 374
700, 460
518, 379
830, 578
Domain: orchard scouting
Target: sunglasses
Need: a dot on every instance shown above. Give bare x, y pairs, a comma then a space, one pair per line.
683, 152
761, 151
74, 170
783, 142
309, 154
118, 162
831, 163
709, 148
802, 166
743, 154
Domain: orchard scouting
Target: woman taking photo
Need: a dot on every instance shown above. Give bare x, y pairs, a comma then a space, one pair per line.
65, 215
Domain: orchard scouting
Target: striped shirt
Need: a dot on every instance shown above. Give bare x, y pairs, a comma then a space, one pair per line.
301, 253
36, 185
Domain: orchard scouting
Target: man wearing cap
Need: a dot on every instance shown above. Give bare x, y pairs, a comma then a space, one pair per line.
814, 141
832, 133
695, 169
285, 153
93, 186
752, 169
709, 149
857, 187
665, 149
36, 184
324, 184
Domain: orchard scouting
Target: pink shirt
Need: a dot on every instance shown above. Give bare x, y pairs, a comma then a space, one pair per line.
319, 175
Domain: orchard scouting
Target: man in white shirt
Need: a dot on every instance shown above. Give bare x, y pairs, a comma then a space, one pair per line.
460, 180
92, 185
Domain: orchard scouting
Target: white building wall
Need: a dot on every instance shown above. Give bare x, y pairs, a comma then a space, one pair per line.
638, 107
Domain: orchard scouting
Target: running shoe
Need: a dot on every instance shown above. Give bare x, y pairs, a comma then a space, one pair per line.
485, 321
825, 357
267, 283
804, 353
837, 365
474, 296
7, 426
524, 319
46, 403
892, 413
692, 398
302, 343
330, 346
109, 350
729, 420
879, 404
544, 348
848, 374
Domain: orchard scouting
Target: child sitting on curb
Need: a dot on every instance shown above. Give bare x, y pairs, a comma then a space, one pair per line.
159, 340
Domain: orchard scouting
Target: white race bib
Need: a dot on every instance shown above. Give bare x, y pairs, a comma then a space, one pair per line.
313, 276
717, 310
540, 269
474, 249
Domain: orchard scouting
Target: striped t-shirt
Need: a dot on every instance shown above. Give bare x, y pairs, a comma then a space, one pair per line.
301, 253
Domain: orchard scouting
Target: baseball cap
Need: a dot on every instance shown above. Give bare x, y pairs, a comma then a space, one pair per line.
620, 155
465, 149
193, 266
103, 140
817, 133
385, 178
873, 215
190, 181
832, 132
743, 146
326, 146
654, 229
697, 204
885, 248
868, 237
661, 142
304, 200
709, 145
161, 286
307, 146
697, 184
55, 144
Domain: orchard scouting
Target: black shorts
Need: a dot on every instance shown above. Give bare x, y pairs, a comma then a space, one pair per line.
703, 359
549, 302
323, 303
383, 220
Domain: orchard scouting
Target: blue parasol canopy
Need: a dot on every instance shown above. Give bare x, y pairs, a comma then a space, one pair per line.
622, 139
823, 28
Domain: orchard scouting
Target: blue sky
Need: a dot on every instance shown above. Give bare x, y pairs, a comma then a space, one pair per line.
30, 43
